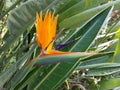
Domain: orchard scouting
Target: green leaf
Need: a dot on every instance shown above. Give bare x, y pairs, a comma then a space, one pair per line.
18, 21
32, 76
116, 57
96, 61
67, 5
53, 59
104, 70
80, 18
78, 6
107, 84
2, 2
7, 74
92, 28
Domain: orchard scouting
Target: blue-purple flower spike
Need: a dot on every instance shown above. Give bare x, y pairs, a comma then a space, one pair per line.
61, 45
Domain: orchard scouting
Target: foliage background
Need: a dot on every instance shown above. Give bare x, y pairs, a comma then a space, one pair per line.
92, 25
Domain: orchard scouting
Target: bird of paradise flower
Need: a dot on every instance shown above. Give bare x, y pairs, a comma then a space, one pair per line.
46, 33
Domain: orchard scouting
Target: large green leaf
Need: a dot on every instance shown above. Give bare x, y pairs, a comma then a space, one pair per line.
18, 25
81, 17
53, 59
78, 6
60, 72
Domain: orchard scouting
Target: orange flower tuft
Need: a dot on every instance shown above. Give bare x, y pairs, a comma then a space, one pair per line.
46, 32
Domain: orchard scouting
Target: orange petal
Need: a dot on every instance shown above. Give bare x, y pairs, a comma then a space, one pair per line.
57, 52
46, 30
